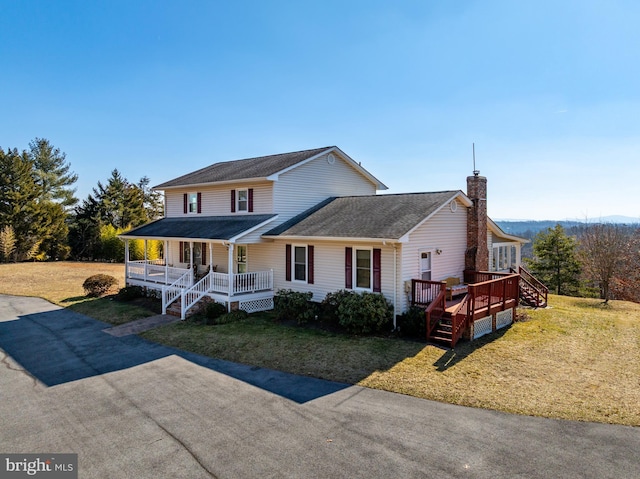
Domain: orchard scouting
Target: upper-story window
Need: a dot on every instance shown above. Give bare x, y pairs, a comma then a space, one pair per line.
243, 200
192, 203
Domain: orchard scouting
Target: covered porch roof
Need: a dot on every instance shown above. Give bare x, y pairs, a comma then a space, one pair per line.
215, 228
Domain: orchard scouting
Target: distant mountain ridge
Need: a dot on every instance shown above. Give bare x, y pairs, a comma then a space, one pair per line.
519, 227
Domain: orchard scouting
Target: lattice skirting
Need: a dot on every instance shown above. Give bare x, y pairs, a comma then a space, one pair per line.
482, 326
504, 318
253, 306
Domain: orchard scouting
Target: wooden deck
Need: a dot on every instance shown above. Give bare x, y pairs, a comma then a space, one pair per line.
448, 321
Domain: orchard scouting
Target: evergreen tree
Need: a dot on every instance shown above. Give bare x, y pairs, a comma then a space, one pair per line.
52, 173
21, 207
555, 261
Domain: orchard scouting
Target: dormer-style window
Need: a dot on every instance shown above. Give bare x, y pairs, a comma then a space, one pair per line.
192, 203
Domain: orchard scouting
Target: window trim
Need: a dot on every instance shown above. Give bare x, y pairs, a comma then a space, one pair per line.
306, 263
246, 258
355, 268
246, 200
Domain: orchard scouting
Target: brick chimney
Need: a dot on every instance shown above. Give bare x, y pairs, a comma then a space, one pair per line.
477, 255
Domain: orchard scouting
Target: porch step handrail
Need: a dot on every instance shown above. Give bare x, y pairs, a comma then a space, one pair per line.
174, 290
195, 293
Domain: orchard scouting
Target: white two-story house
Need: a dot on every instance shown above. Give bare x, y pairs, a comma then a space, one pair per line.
311, 220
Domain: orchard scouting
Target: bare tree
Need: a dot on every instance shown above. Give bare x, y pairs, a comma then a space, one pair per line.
603, 249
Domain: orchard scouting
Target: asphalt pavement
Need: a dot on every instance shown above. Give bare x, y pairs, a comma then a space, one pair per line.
131, 408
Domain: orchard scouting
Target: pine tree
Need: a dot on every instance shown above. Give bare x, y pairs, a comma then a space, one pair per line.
52, 173
555, 261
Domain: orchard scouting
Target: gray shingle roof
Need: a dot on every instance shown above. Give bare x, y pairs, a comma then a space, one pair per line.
378, 216
260, 167
200, 227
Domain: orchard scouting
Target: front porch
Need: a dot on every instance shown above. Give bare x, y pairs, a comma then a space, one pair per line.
251, 292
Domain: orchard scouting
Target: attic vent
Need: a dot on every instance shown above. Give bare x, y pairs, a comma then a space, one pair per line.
331, 159
453, 206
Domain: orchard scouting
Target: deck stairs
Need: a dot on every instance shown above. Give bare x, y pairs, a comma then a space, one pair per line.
532, 292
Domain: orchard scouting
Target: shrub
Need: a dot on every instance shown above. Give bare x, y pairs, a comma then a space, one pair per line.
232, 317
293, 305
331, 302
413, 323
364, 313
99, 284
213, 311
130, 293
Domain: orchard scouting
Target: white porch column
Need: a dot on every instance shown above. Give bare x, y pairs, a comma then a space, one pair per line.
165, 255
145, 260
126, 259
191, 260
230, 270
210, 257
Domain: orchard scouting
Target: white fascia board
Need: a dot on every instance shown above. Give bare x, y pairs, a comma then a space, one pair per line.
251, 230
459, 195
351, 162
334, 239
214, 183
500, 233
166, 238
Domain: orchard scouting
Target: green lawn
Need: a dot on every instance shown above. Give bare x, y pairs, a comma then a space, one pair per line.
578, 359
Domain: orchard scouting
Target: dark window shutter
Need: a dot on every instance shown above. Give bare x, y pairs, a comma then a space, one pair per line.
204, 252
310, 264
377, 276
199, 202
348, 272
233, 201
186, 203
182, 251
287, 262
250, 193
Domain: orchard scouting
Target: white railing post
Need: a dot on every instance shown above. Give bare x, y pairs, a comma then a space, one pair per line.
183, 299
164, 300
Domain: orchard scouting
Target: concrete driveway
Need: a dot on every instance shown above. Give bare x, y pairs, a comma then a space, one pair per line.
130, 408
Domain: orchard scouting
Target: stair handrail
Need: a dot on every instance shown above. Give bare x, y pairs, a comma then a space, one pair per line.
172, 292
195, 293
535, 283
459, 320
436, 309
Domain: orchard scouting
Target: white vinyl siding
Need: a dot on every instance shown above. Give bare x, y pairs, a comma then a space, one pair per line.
216, 200
328, 268
446, 232
309, 184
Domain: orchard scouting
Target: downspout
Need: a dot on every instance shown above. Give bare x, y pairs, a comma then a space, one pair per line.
395, 282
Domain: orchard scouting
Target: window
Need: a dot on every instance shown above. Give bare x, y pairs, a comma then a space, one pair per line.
300, 263
243, 200
363, 268
186, 252
193, 202
241, 259
425, 266
504, 257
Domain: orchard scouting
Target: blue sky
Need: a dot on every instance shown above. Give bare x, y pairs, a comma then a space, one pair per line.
549, 91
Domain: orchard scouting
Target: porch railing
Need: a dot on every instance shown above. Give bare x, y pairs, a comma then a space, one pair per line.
174, 290
154, 271
424, 292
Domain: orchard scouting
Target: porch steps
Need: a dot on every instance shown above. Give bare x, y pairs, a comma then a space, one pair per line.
444, 331
531, 299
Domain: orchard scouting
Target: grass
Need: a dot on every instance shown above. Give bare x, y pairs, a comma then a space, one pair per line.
61, 283
578, 359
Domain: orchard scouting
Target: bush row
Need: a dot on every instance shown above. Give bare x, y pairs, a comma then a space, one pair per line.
357, 313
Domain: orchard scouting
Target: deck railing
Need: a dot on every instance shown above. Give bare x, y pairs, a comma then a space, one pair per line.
493, 295
424, 292
174, 290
